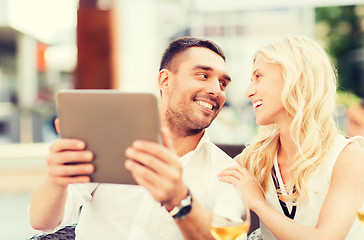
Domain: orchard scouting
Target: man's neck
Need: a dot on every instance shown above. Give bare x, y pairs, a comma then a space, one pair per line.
184, 145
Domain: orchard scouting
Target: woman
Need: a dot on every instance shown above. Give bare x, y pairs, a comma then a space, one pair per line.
299, 175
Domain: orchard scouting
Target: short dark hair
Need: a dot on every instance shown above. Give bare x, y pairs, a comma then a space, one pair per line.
181, 44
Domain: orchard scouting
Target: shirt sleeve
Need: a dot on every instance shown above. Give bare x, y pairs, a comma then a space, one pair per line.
78, 195
228, 203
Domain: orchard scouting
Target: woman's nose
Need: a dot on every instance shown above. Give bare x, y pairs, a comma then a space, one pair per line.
250, 91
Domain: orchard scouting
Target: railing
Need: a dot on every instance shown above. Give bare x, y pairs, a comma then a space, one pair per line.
22, 166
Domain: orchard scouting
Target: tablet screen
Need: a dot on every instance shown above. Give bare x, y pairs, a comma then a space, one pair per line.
108, 121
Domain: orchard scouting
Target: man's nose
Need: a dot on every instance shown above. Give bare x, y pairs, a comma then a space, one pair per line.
214, 88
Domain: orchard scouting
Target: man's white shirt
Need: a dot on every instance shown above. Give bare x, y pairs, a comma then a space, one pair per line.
129, 212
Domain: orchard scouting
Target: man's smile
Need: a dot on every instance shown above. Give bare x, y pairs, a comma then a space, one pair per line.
206, 105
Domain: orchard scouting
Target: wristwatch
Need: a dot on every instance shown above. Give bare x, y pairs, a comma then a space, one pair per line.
184, 208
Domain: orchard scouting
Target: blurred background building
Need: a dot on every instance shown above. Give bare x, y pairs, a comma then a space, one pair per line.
39, 56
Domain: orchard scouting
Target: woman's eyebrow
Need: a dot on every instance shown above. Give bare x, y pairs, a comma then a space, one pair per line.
255, 70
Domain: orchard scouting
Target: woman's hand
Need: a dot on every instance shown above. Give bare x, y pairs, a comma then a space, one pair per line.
248, 188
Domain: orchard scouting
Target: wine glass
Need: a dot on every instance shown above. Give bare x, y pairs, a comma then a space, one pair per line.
223, 228
360, 211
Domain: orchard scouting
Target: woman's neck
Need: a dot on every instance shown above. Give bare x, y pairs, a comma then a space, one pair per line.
286, 153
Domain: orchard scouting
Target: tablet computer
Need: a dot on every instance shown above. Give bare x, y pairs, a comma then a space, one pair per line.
108, 121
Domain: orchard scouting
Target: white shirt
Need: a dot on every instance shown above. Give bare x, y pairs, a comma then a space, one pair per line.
318, 185
129, 212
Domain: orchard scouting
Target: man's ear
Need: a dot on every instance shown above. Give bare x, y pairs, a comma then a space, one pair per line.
163, 80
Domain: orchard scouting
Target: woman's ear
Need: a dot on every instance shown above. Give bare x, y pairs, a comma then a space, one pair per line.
163, 80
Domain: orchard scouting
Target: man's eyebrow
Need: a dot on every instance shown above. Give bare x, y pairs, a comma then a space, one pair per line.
203, 67
227, 77
208, 68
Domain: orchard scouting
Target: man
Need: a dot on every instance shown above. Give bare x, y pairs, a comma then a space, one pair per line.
179, 180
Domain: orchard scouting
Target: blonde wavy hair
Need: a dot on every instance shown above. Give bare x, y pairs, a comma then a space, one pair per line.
308, 96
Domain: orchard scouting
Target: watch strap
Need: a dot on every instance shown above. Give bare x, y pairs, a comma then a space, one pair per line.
183, 209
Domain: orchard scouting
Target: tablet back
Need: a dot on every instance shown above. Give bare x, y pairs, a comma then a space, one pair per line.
108, 121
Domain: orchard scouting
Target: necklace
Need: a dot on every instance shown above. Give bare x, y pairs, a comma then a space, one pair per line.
283, 204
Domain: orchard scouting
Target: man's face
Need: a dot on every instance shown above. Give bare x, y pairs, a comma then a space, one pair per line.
195, 90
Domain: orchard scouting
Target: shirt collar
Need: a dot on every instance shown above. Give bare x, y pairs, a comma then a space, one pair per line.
202, 144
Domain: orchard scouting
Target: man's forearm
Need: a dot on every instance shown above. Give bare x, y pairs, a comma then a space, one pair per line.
46, 207
196, 225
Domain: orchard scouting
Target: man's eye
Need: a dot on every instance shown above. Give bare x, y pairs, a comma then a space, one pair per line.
223, 83
257, 76
203, 75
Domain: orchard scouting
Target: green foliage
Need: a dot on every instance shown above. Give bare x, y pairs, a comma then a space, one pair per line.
341, 30
347, 99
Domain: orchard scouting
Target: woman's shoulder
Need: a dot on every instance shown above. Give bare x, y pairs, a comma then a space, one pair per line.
354, 150
351, 159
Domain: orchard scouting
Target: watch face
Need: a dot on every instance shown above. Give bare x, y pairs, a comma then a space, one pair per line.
183, 212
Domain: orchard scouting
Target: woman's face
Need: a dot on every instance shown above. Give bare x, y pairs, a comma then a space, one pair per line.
265, 92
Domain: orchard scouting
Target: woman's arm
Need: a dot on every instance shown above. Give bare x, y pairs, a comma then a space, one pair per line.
339, 208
